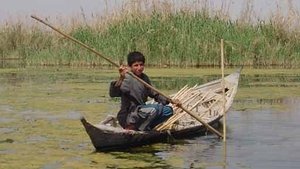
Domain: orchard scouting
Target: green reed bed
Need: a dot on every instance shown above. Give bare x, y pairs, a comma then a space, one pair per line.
182, 37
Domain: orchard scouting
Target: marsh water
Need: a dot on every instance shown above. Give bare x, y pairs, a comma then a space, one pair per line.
40, 110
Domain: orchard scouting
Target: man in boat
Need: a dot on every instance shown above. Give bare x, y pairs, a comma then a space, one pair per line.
135, 114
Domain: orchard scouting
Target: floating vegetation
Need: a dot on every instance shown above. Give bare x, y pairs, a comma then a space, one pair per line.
168, 35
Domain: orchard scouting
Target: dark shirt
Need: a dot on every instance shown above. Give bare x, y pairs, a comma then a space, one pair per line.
133, 93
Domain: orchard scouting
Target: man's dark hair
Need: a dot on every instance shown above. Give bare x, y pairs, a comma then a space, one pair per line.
135, 57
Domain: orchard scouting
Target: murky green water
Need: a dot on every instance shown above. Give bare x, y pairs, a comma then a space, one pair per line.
40, 128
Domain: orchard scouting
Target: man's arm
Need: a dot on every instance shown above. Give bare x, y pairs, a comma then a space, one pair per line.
114, 90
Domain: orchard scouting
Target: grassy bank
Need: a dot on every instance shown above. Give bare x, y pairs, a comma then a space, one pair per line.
184, 37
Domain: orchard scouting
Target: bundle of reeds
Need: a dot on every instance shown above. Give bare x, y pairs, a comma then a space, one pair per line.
204, 101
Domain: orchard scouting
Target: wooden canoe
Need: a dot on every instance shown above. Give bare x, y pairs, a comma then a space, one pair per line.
204, 100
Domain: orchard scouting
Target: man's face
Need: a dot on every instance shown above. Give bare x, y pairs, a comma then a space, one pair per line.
137, 68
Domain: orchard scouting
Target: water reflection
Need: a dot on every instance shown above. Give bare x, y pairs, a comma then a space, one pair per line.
267, 138
256, 80
262, 101
151, 156
270, 80
166, 83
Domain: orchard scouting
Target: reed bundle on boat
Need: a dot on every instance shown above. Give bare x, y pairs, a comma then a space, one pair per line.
205, 103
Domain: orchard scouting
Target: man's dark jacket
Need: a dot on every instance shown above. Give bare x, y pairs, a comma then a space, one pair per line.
133, 93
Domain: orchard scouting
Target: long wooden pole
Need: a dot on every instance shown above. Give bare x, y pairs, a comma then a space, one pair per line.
75, 40
223, 91
223, 106
132, 74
